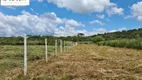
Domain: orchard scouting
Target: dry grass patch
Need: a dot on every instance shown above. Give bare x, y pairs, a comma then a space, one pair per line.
86, 62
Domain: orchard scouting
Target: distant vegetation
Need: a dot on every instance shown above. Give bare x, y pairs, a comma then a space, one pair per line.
127, 39
130, 34
124, 39
39, 40
124, 43
97, 39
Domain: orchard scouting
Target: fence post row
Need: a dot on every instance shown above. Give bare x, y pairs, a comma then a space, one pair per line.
66, 45
46, 50
25, 55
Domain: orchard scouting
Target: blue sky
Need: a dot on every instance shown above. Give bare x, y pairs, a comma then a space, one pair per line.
69, 17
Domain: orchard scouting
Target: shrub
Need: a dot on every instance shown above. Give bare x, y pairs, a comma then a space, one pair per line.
97, 39
124, 43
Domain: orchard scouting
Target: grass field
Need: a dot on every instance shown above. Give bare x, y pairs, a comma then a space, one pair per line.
83, 62
12, 56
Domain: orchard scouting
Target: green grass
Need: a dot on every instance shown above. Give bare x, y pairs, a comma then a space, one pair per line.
12, 56
124, 43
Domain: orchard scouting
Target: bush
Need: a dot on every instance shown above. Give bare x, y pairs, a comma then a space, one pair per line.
97, 39
124, 43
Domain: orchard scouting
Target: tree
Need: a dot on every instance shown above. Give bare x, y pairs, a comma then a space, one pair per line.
98, 39
80, 34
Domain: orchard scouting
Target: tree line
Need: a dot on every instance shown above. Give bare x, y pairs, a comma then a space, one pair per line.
124, 39
39, 40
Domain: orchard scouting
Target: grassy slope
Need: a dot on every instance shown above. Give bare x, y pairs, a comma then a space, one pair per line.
85, 62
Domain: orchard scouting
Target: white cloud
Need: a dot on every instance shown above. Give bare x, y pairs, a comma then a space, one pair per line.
27, 23
127, 17
74, 23
83, 6
44, 24
119, 29
67, 30
115, 10
100, 16
33, 11
100, 30
111, 31
137, 10
70, 31
11, 7
97, 21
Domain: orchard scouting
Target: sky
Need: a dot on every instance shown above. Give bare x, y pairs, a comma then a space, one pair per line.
70, 17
